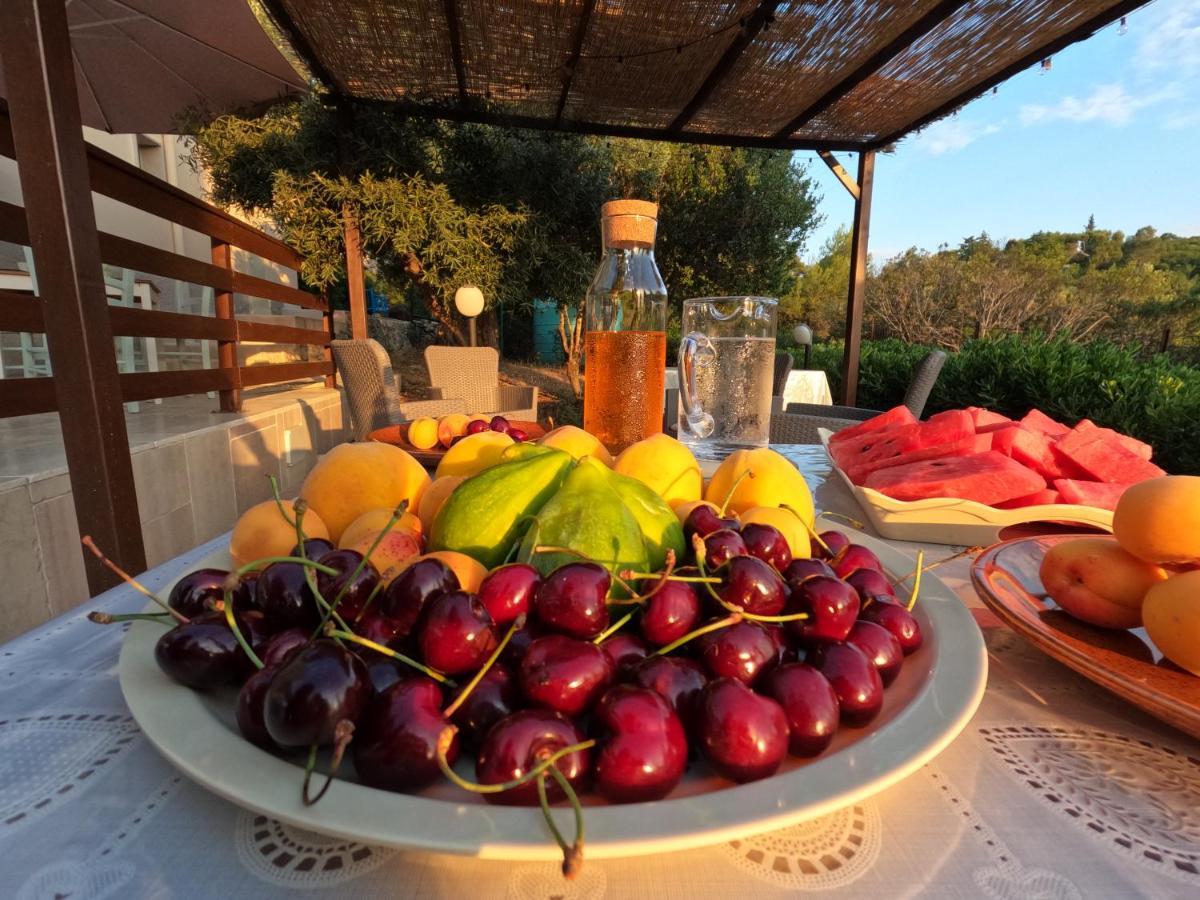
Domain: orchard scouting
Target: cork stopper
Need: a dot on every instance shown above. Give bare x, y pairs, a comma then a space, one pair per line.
625, 224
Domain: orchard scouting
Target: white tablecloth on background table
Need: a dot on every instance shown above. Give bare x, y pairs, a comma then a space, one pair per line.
807, 386
1054, 790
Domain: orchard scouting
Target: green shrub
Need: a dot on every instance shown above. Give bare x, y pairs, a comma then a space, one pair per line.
1155, 400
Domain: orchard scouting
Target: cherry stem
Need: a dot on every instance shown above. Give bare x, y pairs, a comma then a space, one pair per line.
705, 629
231, 621
572, 858
131, 581
612, 629
628, 576
103, 618
690, 579
837, 516
968, 551
295, 523
347, 635
551, 548
748, 473
443, 747
378, 589
311, 580
257, 564
518, 623
733, 608
912, 598
544, 800
812, 532
343, 733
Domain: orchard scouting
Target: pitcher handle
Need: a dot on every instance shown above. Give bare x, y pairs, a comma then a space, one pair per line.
694, 419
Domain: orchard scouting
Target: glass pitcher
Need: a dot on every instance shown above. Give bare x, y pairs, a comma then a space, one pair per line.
726, 366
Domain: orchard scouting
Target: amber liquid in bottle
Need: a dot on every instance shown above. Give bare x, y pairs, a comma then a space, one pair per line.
626, 370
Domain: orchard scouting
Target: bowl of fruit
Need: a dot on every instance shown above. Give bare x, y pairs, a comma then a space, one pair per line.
661, 662
1122, 610
428, 439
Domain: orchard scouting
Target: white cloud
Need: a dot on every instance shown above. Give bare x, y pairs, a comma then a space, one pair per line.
1174, 43
1179, 120
951, 135
1108, 103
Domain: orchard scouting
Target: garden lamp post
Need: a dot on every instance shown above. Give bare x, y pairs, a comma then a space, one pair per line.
804, 336
468, 300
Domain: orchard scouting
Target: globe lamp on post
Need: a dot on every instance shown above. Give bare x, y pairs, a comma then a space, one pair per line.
468, 300
804, 338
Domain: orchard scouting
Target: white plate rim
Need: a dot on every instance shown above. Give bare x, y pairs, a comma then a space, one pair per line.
234, 769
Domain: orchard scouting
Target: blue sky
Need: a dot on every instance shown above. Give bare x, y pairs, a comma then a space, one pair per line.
1113, 129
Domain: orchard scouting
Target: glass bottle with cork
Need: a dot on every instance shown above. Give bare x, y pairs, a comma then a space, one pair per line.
626, 342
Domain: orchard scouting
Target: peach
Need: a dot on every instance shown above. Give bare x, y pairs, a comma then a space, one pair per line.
770, 480
423, 433
353, 478
473, 454
664, 465
262, 531
431, 503
470, 572
393, 553
1097, 581
1159, 520
577, 442
374, 521
1171, 614
451, 426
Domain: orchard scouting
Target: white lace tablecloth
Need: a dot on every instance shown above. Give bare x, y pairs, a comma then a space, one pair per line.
1054, 790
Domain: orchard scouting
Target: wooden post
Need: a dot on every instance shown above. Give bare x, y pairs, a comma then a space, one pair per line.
354, 275
327, 351
858, 277
227, 351
43, 104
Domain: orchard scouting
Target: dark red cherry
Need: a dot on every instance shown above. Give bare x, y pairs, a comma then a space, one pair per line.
195, 593
870, 583
743, 735
518, 743
384, 671
282, 645
477, 425
854, 557
518, 644
753, 586
672, 612
766, 542
377, 628
854, 679
678, 680
704, 520
800, 569
395, 746
202, 655
499, 423
495, 697
643, 750
314, 548
834, 540
457, 634
744, 651
880, 646
832, 607
508, 591
354, 591
250, 709
810, 705
405, 598
318, 687
721, 546
573, 598
565, 674
518, 434
625, 650
899, 621
283, 596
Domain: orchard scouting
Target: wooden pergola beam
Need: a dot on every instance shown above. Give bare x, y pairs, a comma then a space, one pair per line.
456, 54
755, 23
299, 43
855, 296
876, 61
840, 173
1079, 33
585, 18
35, 47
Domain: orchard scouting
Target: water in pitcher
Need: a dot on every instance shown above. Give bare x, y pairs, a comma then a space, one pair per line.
731, 373
623, 401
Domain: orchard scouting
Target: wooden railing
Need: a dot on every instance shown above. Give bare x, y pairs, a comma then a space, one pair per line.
117, 179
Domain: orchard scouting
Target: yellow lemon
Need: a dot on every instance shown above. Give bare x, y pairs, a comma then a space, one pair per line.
353, 478
439, 492
760, 477
578, 443
423, 433
786, 521
473, 454
664, 465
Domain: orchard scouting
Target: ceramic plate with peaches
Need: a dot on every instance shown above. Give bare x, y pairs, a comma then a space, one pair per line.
1123, 610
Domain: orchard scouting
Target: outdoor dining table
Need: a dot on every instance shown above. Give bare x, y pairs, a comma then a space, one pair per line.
1054, 790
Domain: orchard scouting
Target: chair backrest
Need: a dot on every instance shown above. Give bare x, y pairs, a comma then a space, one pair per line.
924, 377
471, 373
788, 428
783, 368
372, 388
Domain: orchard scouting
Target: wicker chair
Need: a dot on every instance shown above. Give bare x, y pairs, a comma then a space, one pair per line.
787, 428
920, 386
473, 373
783, 368
373, 390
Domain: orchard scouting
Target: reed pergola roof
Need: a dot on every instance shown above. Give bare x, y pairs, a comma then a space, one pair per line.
841, 74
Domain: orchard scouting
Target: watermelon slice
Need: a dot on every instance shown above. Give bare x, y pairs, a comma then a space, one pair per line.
897, 416
1087, 426
1036, 420
967, 446
1032, 449
855, 454
1046, 497
1104, 459
988, 478
985, 417
1090, 493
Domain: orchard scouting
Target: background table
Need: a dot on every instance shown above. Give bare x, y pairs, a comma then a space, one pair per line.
1054, 790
